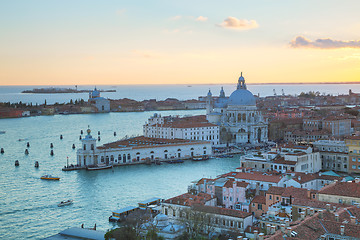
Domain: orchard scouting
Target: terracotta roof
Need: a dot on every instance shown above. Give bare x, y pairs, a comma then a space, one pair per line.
282, 160
258, 176
303, 177
188, 199
185, 122
348, 189
315, 226
146, 142
242, 184
275, 190
295, 193
222, 211
259, 199
315, 203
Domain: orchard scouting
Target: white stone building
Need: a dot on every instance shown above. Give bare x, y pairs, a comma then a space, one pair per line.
217, 219
102, 104
292, 158
139, 150
172, 127
333, 154
239, 120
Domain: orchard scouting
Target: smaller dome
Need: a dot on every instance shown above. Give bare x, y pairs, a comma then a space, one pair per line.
209, 93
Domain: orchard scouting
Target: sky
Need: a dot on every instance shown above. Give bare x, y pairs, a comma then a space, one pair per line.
89, 42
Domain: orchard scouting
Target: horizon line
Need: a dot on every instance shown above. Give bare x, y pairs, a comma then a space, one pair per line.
190, 84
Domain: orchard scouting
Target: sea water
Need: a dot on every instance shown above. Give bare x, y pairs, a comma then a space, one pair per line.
162, 92
28, 205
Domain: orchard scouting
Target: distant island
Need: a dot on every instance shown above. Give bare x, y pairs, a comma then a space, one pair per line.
51, 90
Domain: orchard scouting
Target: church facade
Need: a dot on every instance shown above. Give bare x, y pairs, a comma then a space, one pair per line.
237, 116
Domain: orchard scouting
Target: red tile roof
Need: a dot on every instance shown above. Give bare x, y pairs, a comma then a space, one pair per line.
348, 189
259, 199
188, 199
222, 211
258, 176
146, 142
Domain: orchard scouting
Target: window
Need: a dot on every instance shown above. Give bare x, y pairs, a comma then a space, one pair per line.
353, 167
340, 200
260, 206
270, 197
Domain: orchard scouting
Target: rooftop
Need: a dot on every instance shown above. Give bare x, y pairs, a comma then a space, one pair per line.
144, 142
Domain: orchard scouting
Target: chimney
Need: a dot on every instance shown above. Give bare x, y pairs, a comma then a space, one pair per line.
336, 217
342, 230
256, 233
273, 229
261, 236
321, 213
287, 222
268, 229
311, 211
328, 206
302, 214
352, 219
282, 227
288, 231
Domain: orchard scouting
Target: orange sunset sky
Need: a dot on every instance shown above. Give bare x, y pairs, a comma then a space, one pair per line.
178, 42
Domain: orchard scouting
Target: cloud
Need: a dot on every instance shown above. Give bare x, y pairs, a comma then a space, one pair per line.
238, 24
201, 19
323, 43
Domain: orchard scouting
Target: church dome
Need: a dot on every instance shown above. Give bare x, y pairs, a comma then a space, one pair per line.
242, 96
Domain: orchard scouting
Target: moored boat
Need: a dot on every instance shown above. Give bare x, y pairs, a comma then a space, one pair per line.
201, 158
64, 203
49, 177
175, 161
98, 167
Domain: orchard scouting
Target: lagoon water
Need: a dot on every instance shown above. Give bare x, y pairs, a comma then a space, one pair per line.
161, 92
28, 205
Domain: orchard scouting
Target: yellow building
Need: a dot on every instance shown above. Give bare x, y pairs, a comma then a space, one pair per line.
353, 144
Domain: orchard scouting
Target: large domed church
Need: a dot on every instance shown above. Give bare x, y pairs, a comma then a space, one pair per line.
237, 116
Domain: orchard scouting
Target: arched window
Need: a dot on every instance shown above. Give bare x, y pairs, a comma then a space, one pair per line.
112, 158
84, 146
119, 157
102, 158
92, 146
128, 156
124, 158
137, 153
152, 152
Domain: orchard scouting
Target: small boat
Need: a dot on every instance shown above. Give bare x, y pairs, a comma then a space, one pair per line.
202, 158
98, 167
226, 156
2, 132
17, 163
36, 164
49, 177
64, 203
175, 161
